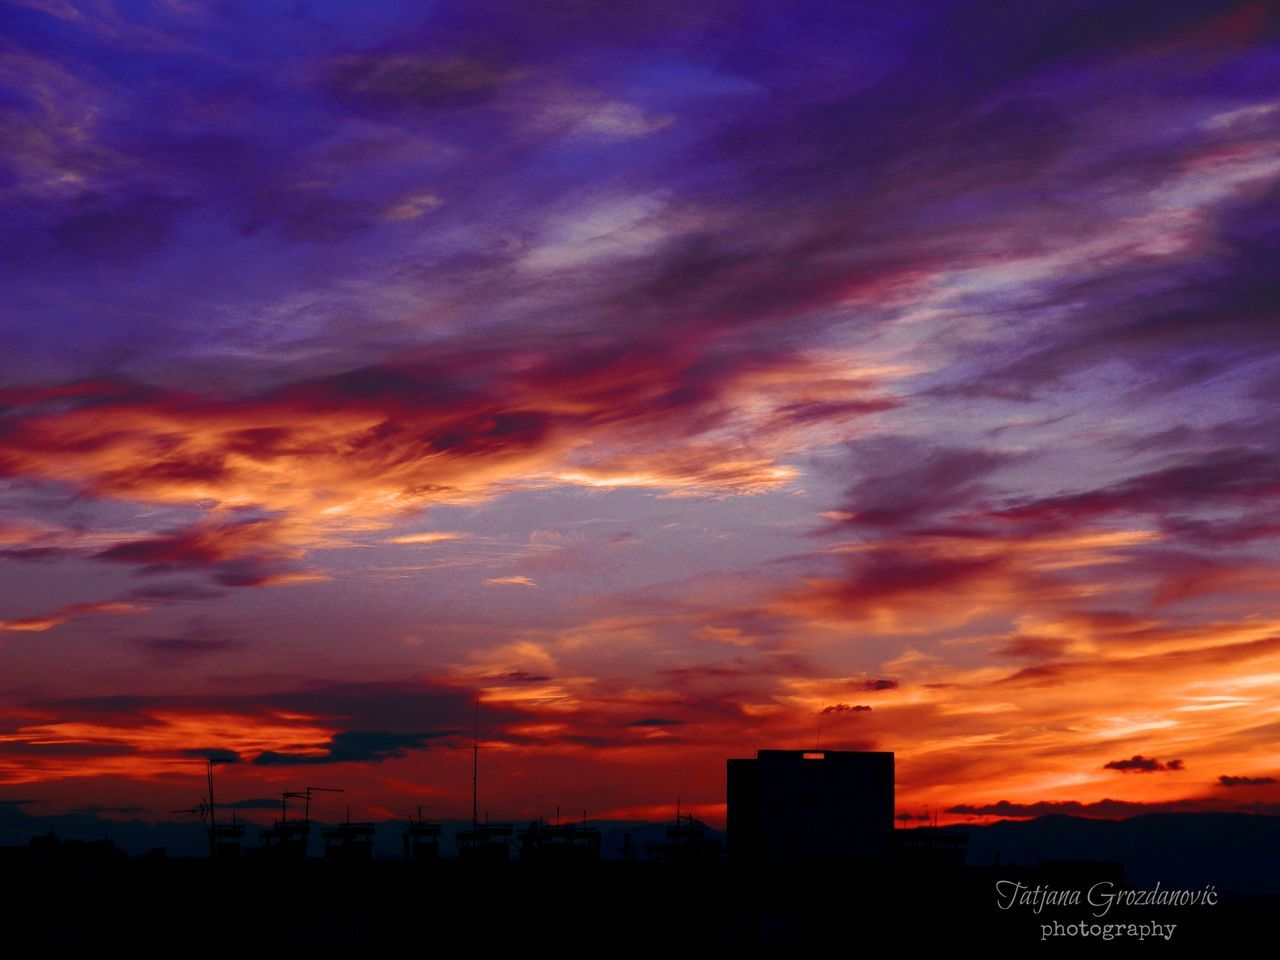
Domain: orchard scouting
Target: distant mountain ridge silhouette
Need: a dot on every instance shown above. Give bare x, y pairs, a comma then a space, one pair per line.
1234, 851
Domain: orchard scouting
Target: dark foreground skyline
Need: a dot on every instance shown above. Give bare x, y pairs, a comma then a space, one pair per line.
1236, 852
810, 853
1027, 883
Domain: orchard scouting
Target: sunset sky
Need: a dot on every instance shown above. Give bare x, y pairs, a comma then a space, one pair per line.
680, 379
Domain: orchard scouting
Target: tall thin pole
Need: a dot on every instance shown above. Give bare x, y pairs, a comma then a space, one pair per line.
475, 766
213, 817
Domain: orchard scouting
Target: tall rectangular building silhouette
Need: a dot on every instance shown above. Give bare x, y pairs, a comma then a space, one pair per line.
809, 805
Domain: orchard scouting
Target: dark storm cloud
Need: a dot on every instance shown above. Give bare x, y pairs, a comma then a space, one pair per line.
875, 685
216, 754
358, 746
253, 803
1229, 781
1140, 764
516, 676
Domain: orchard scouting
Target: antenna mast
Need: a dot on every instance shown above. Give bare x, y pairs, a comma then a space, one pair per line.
213, 814
475, 766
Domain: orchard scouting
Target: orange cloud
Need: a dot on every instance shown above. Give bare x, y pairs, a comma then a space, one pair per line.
75, 611
427, 538
145, 749
361, 447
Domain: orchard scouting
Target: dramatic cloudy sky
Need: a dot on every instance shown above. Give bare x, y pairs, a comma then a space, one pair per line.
678, 379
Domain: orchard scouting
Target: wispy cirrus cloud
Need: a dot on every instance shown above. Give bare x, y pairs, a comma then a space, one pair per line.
512, 581
75, 611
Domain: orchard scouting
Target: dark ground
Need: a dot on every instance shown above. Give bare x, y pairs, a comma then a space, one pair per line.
96, 901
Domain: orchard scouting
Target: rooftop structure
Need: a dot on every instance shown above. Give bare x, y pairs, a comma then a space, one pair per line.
689, 840
560, 843
808, 805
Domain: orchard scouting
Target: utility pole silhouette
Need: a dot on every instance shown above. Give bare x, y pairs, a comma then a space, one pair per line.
207, 807
475, 766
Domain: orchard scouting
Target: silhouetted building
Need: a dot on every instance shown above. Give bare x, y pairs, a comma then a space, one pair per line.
422, 842
930, 847
349, 843
688, 841
804, 805
226, 840
485, 843
49, 850
286, 840
559, 844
